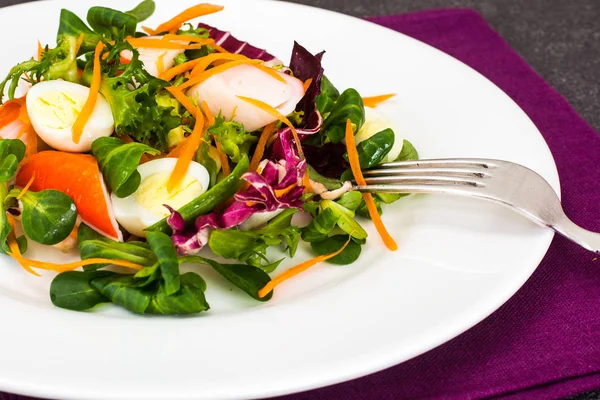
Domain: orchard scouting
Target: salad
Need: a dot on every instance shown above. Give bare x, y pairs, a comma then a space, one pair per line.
143, 149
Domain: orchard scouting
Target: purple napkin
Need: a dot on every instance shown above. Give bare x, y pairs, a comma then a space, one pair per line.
545, 341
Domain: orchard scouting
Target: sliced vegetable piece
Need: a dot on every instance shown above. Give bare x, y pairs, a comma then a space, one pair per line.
187, 154
196, 11
376, 100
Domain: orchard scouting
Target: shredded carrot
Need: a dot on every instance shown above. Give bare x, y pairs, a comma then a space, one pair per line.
14, 246
40, 51
284, 191
223, 158
26, 188
193, 12
195, 39
179, 69
209, 116
187, 154
74, 233
90, 103
388, 240
298, 269
270, 71
74, 265
260, 146
176, 152
161, 44
149, 31
201, 77
78, 43
276, 114
160, 63
307, 84
183, 99
306, 183
376, 100
204, 62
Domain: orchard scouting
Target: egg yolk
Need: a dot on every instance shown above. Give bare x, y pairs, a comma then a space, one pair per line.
153, 194
58, 110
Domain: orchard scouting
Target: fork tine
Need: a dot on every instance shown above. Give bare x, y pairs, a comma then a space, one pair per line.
445, 171
424, 179
444, 163
463, 190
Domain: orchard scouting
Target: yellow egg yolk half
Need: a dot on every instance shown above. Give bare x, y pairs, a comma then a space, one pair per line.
152, 193
58, 110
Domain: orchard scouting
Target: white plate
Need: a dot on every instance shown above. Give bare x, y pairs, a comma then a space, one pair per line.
458, 261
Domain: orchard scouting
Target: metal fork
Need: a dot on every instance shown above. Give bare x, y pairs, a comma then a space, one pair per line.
507, 183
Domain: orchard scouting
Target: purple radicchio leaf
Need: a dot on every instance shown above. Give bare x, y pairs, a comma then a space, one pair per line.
306, 66
186, 241
233, 45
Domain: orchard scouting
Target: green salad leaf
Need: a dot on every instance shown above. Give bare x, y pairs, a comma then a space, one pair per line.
234, 139
348, 106
250, 246
118, 162
48, 217
372, 151
94, 245
329, 183
12, 152
142, 11
408, 152
327, 98
332, 215
111, 24
71, 25
248, 278
73, 290
131, 93
57, 63
164, 249
334, 243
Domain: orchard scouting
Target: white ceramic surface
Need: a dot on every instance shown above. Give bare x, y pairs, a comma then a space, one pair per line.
458, 261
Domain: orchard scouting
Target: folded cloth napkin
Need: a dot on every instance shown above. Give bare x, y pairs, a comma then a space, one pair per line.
545, 341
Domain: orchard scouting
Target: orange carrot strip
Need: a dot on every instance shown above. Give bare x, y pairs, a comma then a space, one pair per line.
14, 246
281, 192
26, 188
74, 265
214, 71
179, 69
204, 62
306, 183
260, 146
210, 118
193, 12
160, 63
187, 154
78, 43
149, 31
195, 39
298, 269
388, 240
40, 51
276, 114
176, 152
90, 103
307, 84
161, 44
183, 99
270, 71
376, 100
223, 158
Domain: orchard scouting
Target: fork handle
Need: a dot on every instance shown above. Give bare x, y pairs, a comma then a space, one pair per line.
587, 239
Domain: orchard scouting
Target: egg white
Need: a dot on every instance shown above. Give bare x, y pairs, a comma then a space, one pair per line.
131, 213
73, 96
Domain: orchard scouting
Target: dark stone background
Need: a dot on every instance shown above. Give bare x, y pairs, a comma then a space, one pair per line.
560, 39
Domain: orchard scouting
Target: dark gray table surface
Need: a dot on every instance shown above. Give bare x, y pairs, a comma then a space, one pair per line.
560, 39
